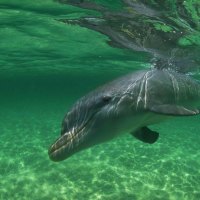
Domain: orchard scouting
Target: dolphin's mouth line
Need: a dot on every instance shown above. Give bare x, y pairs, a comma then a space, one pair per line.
67, 139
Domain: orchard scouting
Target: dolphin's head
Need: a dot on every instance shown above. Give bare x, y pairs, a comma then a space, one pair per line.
91, 120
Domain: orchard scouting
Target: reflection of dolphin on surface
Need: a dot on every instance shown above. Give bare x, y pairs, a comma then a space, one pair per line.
126, 105
163, 31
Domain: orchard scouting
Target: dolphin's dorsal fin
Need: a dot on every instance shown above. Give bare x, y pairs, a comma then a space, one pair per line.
168, 109
146, 135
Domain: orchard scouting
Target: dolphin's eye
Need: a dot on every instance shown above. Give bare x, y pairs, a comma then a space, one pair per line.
106, 98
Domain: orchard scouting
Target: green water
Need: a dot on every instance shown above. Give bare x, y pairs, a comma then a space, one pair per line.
46, 65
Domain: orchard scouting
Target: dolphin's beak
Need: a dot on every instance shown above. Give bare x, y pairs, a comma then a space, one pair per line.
63, 147
72, 141
68, 144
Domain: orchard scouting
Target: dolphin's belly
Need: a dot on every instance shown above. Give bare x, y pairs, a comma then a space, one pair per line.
107, 129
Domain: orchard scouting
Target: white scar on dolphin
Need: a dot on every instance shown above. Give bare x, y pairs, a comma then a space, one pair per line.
126, 105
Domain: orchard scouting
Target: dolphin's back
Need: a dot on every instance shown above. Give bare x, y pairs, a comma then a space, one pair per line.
154, 87
169, 87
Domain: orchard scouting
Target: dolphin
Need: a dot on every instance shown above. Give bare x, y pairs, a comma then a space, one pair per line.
126, 105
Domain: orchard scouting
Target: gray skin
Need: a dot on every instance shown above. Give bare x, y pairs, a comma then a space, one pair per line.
126, 105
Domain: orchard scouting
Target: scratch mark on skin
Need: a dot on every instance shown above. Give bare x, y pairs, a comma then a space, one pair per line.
175, 86
139, 98
146, 88
143, 85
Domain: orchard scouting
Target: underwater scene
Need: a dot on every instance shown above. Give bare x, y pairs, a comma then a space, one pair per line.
52, 53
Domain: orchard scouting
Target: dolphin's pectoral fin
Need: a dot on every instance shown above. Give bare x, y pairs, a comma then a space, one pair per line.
146, 135
168, 109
